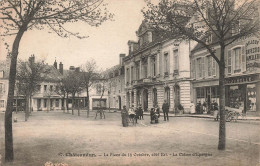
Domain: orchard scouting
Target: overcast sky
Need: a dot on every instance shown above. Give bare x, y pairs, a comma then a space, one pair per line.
104, 44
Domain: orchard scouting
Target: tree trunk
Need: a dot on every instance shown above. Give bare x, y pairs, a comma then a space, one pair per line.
78, 106
67, 104
72, 108
30, 108
9, 154
222, 122
88, 102
63, 99
26, 113
48, 105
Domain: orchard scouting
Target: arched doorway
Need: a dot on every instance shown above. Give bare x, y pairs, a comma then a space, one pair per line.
167, 94
138, 99
119, 102
145, 99
154, 97
176, 95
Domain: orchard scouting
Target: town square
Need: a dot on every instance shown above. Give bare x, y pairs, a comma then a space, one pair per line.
129, 82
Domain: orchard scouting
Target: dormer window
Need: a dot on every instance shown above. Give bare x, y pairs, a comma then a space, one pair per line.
150, 36
209, 39
235, 28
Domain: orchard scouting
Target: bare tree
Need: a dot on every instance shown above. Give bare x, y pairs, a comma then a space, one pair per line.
60, 90
29, 77
89, 73
20, 16
200, 19
73, 84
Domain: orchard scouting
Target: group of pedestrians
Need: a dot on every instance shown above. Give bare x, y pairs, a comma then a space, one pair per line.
138, 112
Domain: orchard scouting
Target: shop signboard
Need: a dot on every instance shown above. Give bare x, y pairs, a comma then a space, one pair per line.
253, 55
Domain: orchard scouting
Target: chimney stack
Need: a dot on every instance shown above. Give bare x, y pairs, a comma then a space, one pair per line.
121, 59
32, 58
55, 64
72, 68
61, 68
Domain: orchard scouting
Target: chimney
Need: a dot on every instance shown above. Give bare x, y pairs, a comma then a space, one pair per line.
55, 64
121, 59
61, 68
72, 68
77, 69
32, 58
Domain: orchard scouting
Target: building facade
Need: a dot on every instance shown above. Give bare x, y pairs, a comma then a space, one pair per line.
241, 75
157, 69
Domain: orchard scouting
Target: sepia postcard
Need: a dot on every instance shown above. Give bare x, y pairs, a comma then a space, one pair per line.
129, 83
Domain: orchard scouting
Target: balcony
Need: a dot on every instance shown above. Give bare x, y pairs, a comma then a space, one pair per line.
145, 80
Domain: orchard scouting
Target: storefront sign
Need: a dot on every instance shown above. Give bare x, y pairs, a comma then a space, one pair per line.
241, 79
252, 55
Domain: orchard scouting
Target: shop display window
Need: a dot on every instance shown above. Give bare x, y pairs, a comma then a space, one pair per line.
251, 97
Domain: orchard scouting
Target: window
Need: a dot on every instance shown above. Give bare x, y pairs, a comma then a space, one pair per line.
209, 39
211, 66
138, 71
45, 88
2, 89
127, 75
166, 64
193, 67
150, 37
2, 103
132, 73
153, 66
57, 103
236, 60
176, 59
38, 88
201, 67
51, 102
51, 88
237, 65
98, 89
45, 103
229, 62
167, 95
145, 70
235, 28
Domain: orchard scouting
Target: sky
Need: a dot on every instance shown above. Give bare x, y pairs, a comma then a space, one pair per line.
104, 43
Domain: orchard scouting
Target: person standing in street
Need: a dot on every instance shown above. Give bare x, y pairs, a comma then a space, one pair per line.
141, 112
165, 108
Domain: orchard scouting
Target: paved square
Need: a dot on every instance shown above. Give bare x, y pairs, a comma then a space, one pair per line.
58, 137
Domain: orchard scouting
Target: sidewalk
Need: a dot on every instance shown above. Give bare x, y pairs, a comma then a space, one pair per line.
206, 116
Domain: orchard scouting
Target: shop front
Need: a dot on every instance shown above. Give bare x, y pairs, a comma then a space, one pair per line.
243, 92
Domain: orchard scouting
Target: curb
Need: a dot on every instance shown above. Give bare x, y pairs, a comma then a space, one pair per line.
208, 117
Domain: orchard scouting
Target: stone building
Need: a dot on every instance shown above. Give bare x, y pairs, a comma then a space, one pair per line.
157, 69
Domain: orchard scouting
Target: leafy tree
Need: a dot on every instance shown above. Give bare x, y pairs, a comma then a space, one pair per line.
20, 16
29, 76
199, 19
89, 73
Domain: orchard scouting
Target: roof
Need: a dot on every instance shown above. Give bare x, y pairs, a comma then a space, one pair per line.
52, 74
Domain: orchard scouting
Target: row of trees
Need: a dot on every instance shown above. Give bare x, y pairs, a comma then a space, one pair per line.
21, 16
31, 74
